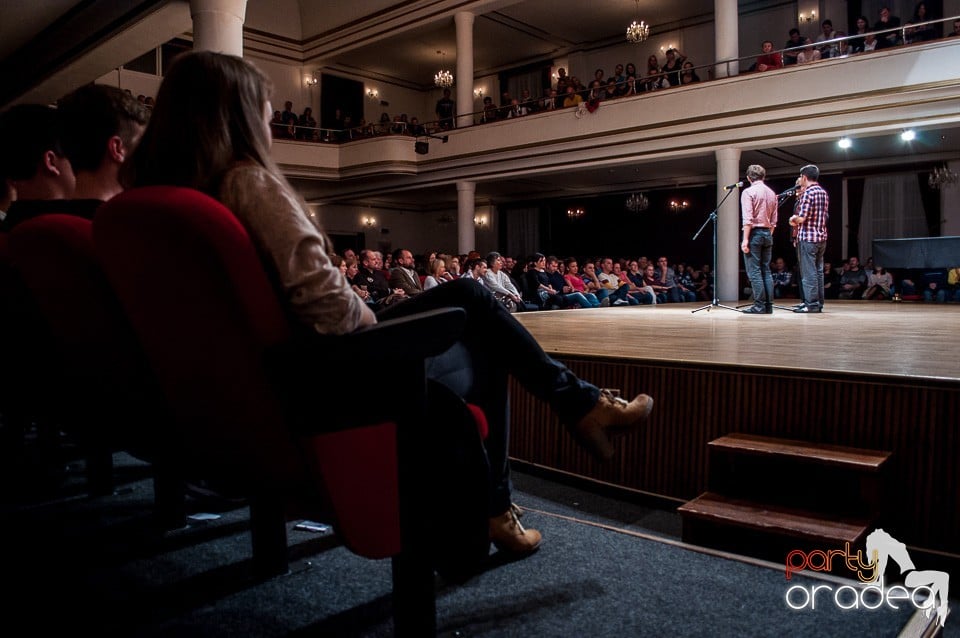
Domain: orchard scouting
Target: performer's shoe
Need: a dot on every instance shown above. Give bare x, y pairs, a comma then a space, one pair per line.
767, 308
609, 416
755, 309
807, 308
798, 306
509, 535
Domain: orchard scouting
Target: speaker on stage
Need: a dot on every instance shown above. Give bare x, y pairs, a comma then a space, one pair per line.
421, 148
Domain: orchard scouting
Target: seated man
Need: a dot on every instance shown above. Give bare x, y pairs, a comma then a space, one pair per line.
34, 162
934, 286
403, 275
853, 281
769, 60
783, 284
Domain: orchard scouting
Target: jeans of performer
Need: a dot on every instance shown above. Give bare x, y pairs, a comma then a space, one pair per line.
757, 264
811, 271
497, 346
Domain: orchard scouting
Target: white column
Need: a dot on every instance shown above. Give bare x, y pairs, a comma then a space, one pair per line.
218, 25
466, 207
464, 77
727, 277
726, 37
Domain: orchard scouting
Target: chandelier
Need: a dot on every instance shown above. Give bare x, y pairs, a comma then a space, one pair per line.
942, 177
443, 78
638, 31
575, 213
637, 202
677, 205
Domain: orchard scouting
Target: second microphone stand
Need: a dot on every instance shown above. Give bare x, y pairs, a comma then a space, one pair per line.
713, 217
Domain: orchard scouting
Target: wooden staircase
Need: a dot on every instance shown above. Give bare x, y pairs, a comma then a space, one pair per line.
768, 496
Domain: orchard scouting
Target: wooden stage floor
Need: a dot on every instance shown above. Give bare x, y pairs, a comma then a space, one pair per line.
909, 339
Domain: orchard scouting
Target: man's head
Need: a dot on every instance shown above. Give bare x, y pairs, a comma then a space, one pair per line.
809, 174
662, 263
884, 14
101, 127
403, 257
854, 263
827, 27
33, 158
552, 264
766, 46
756, 173
778, 264
288, 105
956, 27
369, 259
349, 253
795, 35
606, 265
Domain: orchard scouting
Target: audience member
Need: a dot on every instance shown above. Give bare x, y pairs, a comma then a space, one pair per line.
853, 280
791, 46
672, 67
768, 59
192, 95
808, 54
827, 33
879, 284
889, 24
861, 28
34, 162
445, 110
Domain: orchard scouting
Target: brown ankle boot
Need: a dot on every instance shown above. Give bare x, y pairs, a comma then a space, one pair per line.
509, 535
607, 416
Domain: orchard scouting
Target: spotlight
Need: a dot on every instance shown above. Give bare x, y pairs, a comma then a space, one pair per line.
908, 135
421, 148
844, 143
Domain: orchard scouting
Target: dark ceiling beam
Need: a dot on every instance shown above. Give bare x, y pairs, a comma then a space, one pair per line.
78, 31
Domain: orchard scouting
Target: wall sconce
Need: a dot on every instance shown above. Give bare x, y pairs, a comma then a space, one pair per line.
678, 205
575, 213
809, 18
373, 94
369, 222
478, 93
311, 80
479, 221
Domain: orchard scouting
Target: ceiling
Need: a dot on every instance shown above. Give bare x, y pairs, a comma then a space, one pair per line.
507, 33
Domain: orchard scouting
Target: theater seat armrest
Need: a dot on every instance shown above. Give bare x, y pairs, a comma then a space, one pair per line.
410, 338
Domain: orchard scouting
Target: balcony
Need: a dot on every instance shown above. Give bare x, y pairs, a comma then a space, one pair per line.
859, 96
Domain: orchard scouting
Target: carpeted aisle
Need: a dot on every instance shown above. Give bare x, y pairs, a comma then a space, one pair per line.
90, 564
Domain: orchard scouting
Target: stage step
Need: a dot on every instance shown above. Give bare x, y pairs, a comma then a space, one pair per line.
721, 511
766, 496
788, 449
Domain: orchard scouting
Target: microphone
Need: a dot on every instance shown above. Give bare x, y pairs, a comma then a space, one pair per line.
732, 186
789, 192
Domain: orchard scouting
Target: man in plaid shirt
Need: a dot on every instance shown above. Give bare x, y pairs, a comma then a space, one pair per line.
810, 219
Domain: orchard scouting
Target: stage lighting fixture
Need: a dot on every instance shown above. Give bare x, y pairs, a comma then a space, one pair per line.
908, 135
844, 143
421, 148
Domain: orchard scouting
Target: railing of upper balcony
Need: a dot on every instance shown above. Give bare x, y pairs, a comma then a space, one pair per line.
589, 98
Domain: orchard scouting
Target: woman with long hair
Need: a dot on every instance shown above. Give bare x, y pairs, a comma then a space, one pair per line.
210, 131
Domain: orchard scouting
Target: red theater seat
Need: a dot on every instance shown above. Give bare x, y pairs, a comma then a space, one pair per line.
258, 406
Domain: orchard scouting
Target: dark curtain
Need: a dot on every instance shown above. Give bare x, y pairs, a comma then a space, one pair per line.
854, 209
931, 204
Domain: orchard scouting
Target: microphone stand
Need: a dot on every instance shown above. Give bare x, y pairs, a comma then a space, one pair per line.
713, 217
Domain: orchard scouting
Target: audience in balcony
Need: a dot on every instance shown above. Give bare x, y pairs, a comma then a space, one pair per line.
808, 54
861, 28
956, 30
889, 24
445, 110
924, 33
791, 52
307, 125
671, 68
827, 33
768, 59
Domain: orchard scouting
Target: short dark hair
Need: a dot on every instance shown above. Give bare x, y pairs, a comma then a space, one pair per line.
794, 30
91, 116
811, 172
826, 22
27, 131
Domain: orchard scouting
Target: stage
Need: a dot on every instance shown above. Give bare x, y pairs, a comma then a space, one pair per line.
907, 339
874, 375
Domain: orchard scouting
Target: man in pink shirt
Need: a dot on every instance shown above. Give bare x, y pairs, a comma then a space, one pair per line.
758, 205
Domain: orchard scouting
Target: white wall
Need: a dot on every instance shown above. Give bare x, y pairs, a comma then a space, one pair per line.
138, 83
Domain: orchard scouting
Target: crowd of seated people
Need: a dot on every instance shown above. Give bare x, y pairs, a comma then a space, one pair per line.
536, 282
626, 79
